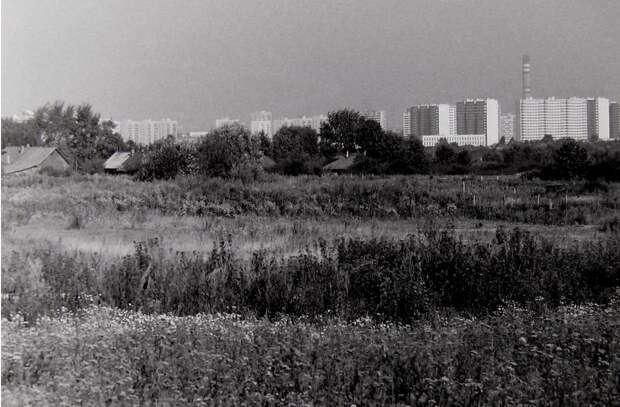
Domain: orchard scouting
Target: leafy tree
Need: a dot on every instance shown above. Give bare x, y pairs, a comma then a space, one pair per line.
78, 130
547, 138
231, 152
410, 158
19, 133
295, 141
266, 145
570, 160
444, 153
339, 133
165, 159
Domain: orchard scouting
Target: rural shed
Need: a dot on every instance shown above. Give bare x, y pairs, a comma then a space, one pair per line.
341, 164
123, 162
24, 160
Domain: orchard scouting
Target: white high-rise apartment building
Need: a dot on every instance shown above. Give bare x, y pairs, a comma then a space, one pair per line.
598, 118
556, 122
378, 116
226, 121
559, 118
576, 119
407, 123
314, 122
261, 122
148, 131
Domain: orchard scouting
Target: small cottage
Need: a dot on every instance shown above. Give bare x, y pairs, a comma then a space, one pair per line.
25, 159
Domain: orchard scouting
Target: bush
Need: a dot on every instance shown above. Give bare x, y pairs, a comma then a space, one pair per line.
230, 152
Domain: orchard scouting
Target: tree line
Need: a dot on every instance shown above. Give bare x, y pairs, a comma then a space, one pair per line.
232, 152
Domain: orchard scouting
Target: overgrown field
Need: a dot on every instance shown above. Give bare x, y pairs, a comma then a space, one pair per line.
310, 291
105, 356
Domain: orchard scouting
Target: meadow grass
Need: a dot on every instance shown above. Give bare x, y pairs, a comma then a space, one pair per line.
309, 291
104, 356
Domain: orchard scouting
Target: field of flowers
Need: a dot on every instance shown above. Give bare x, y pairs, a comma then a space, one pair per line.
104, 356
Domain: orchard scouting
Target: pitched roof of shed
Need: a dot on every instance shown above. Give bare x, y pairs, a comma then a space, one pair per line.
116, 160
16, 159
342, 163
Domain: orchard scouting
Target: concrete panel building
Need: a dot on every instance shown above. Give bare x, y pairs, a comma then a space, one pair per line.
261, 122
598, 118
148, 131
478, 116
614, 120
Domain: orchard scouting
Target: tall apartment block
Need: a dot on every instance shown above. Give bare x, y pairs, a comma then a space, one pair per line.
576, 118
429, 120
614, 120
261, 122
507, 127
378, 116
598, 118
314, 122
148, 131
477, 121
470, 122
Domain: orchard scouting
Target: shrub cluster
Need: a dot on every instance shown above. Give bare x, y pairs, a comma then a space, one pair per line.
394, 280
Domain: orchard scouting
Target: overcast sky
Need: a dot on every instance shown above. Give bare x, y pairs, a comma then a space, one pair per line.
195, 61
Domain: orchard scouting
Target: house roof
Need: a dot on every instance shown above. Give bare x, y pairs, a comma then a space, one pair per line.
116, 160
123, 161
16, 159
341, 163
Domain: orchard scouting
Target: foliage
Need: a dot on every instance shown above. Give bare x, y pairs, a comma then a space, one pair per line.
296, 151
339, 134
79, 131
166, 159
16, 133
392, 280
513, 357
230, 152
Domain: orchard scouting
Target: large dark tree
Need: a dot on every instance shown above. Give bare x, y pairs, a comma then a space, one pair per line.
295, 141
571, 160
339, 133
230, 151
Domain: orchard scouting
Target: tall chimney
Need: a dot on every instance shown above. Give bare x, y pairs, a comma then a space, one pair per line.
527, 86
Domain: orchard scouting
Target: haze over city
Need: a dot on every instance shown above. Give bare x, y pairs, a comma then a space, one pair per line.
195, 61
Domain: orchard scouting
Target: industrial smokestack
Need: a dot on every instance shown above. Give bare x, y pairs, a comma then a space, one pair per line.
527, 86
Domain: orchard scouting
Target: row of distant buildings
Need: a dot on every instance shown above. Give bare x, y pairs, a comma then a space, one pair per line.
263, 121
470, 122
480, 122
147, 131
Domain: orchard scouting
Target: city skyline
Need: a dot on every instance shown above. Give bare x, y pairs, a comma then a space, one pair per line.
291, 58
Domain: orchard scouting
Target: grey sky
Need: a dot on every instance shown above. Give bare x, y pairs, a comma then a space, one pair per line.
196, 61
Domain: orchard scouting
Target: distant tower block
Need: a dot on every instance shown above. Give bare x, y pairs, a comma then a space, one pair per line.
527, 86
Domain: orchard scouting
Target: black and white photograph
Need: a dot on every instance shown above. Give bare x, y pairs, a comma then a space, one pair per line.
310, 203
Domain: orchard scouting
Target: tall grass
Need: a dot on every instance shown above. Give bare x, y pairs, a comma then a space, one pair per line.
500, 199
390, 279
